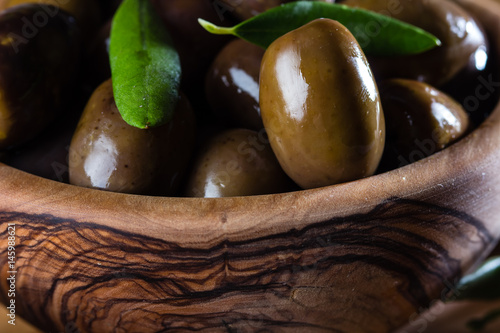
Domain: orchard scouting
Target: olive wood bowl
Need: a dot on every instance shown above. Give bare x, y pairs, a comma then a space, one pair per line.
365, 256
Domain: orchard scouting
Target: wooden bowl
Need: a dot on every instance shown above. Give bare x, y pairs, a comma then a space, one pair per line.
365, 256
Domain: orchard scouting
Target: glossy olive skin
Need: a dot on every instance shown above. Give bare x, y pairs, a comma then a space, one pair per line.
236, 162
107, 153
245, 9
421, 120
461, 37
38, 70
232, 84
320, 105
86, 12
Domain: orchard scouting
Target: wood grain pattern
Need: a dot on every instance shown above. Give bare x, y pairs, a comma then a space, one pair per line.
365, 256
91, 276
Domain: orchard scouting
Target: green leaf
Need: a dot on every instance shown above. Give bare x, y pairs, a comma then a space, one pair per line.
483, 284
377, 34
145, 67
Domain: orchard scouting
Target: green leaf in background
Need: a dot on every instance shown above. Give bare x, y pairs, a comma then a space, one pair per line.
377, 34
145, 67
483, 284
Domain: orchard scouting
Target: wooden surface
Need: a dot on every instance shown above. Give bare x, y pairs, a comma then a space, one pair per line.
364, 256
21, 325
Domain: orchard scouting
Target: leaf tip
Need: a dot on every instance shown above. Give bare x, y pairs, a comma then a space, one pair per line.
208, 26
215, 29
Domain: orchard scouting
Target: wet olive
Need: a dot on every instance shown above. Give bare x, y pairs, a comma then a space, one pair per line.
109, 154
320, 105
460, 35
38, 69
232, 84
421, 120
245, 9
86, 12
236, 162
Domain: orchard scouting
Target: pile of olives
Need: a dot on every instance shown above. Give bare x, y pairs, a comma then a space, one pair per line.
309, 111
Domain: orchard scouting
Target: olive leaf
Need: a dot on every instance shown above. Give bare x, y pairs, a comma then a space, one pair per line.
377, 34
145, 67
483, 284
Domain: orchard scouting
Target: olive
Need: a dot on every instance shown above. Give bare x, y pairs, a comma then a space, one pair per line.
46, 157
320, 105
38, 69
86, 12
461, 37
109, 7
245, 9
232, 84
236, 162
196, 47
96, 61
107, 153
421, 120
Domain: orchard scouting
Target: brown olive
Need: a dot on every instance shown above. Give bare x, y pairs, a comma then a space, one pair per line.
196, 47
86, 12
47, 156
236, 162
421, 120
96, 60
461, 37
245, 9
109, 7
38, 69
232, 84
109, 154
320, 105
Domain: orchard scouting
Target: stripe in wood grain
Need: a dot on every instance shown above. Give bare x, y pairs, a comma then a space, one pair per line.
97, 279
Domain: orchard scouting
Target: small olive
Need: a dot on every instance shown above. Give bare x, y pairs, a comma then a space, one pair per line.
320, 105
237, 162
421, 120
232, 84
107, 153
38, 70
460, 34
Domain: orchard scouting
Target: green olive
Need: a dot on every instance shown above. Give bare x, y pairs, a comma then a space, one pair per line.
421, 120
320, 105
107, 153
236, 162
39, 59
461, 36
232, 84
